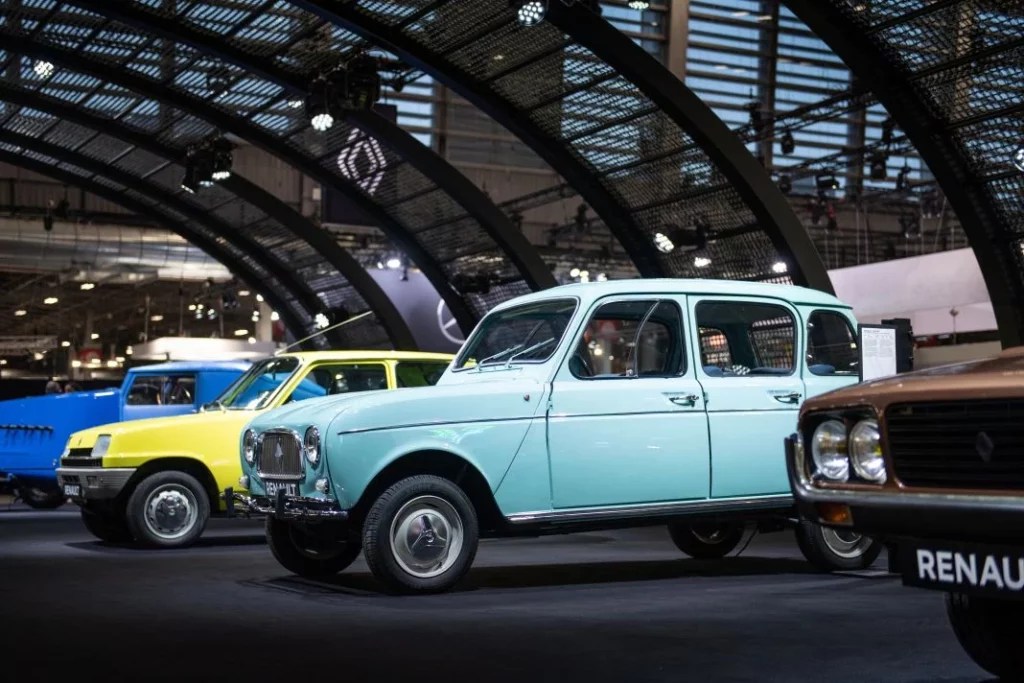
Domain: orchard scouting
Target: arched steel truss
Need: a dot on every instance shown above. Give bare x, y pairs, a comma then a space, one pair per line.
447, 226
949, 73
637, 144
141, 204
367, 294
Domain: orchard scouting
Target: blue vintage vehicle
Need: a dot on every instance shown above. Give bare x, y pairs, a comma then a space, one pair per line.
585, 406
35, 430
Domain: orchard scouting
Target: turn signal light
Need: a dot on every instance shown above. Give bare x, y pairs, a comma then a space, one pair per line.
835, 513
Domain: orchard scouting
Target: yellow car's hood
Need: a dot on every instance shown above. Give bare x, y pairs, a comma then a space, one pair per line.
182, 429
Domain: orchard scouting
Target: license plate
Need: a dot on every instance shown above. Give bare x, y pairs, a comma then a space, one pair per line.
984, 570
73, 490
272, 487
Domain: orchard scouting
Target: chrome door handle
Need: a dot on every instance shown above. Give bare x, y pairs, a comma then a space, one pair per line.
688, 400
787, 398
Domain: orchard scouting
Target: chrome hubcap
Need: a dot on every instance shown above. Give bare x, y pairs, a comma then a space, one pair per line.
845, 544
426, 536
171, 511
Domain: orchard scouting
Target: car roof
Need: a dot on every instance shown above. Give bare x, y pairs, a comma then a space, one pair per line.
590, 291
370, 355
194, 366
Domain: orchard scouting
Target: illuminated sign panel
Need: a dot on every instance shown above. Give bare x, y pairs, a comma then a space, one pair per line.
362, 160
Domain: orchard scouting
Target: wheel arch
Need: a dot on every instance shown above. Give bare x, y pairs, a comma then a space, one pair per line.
189, 465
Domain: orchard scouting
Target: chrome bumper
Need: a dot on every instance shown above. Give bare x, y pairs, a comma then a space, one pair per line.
98, 483
295, 508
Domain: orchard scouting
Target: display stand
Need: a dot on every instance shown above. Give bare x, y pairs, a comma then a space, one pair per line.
877, 347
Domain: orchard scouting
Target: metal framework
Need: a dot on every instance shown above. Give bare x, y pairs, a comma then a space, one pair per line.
599, 128
367, 294
949, 73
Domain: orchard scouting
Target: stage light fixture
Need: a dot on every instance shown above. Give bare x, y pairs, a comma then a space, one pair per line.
639, 5
902, 179
786, 142
1018, 159
826, 182
785, 184
878, 160
530, 12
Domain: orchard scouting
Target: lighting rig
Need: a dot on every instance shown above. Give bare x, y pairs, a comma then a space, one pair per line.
695, 239
351, 86
532, 12
207, 162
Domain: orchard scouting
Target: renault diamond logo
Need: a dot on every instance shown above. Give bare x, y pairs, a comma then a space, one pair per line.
278, 453
985, 446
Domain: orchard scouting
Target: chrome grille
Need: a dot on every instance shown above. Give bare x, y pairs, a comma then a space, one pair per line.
279, 454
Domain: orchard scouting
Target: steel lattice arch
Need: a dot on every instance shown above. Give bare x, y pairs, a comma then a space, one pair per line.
136, 83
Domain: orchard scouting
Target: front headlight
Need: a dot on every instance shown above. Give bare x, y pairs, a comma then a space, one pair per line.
249, 446
866, 451
311, 444
828, 450
101, 446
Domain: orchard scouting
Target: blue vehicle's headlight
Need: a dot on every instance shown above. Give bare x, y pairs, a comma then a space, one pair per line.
249, 446
101, 446
311, 444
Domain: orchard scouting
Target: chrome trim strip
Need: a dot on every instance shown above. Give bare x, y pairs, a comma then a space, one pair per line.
781, 500
442, 423
806, 492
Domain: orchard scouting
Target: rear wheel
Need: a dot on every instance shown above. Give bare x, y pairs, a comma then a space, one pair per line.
106, 526
311, 551
42, 499
706, 541
988, 631
832, 550
168, 510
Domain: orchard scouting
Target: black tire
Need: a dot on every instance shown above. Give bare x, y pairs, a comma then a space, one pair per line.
831, 550
710, 541
180, 488
988, 631
311, 551
106, 526
411, 504
42, 499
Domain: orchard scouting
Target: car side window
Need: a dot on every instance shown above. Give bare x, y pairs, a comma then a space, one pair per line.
157, 390
631, 339
831, 344
746, 338
340, 378
419, 373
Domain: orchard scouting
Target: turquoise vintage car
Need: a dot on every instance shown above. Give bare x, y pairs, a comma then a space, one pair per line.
585, 406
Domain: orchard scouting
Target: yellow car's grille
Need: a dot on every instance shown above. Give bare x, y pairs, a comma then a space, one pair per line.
279, 455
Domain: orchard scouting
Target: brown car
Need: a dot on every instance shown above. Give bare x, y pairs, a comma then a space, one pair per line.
932, 464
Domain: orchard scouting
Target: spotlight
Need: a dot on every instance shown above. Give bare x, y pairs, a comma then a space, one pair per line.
779, 267
50, 300
394, 263
663, 243
222, 158
701, 262
787, 142
189, 183
575, 272
901, 178
826, 182
321, 122
878, 160
530, 12
274, 316
86, 286
1018, 159
362, 82
321, 321
640, 5
318, 103
20, 312
785, 184
43, 69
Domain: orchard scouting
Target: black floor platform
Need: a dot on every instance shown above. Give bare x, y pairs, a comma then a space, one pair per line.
622, 607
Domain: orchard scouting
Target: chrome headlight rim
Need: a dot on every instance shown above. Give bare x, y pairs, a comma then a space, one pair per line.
101, 447
249, 446
311, 445
865, 451
829, 451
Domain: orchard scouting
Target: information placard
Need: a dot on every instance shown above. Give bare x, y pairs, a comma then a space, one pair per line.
877, 344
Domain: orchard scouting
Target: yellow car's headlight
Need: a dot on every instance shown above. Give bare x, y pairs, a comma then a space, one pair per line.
101, 446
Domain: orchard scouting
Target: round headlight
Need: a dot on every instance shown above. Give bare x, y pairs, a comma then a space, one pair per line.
866, 451
249, 446
311, 444
828, 449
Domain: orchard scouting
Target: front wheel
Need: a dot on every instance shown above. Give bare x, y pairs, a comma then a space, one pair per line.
706, 541
987, 631
832, 550
42, 499
420, 536
311, 551
168, 510
106, 526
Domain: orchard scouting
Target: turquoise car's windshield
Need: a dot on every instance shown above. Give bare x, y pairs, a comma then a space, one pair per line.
254, 389
524, 334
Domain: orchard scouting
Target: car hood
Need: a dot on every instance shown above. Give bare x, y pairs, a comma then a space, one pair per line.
192, 421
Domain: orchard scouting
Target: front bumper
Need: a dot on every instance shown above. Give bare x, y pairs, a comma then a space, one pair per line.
285, 507
98, 483
893, 515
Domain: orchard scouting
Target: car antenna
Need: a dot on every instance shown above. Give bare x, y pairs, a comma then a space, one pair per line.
326, 329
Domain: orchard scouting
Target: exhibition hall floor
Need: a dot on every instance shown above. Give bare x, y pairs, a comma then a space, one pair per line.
619, 606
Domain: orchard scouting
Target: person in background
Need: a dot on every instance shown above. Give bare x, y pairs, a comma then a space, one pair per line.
53, 387
71, 387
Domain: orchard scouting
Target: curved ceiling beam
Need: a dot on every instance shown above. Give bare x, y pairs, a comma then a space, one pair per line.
476, 204
382, 306
266, 141
552, 151
991, 239
210, 247
302, 294
739, 167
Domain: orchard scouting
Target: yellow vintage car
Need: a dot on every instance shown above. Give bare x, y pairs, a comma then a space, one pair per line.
157, 481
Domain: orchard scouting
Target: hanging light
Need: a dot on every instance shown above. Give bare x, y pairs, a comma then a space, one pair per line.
786, 142
221, 156
321, 321
785, 183
394, 263
531, 12
20, 312
43, 68
274, 316
639, 5
701, 262
663, 243
779, 267
50, 300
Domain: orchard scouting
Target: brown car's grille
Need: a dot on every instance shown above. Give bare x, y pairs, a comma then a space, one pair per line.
958, 444
280, 455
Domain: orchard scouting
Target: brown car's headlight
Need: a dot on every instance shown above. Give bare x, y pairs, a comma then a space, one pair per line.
828, 451
866, 451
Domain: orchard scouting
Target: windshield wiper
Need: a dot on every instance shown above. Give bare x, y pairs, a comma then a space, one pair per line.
215, 402
536, 346
500, 354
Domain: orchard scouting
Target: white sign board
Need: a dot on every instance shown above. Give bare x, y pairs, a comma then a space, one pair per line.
877, 352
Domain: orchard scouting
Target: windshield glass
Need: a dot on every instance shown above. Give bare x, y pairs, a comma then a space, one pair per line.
253, 390
525, 334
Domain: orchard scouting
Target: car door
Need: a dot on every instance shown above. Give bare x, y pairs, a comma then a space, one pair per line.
832, 355
625, 422
748, 368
